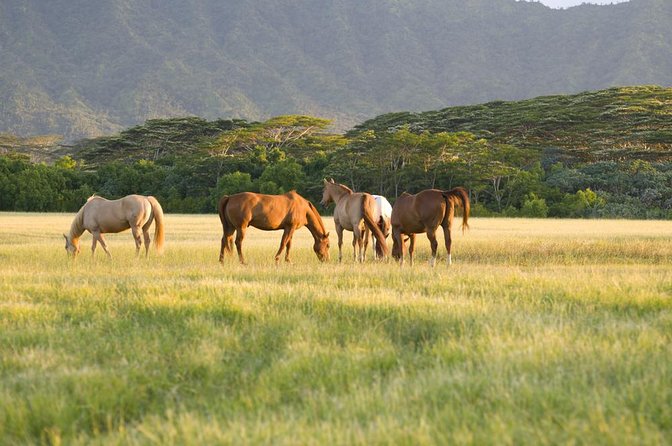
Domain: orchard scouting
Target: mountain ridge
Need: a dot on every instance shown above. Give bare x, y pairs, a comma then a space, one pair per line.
81, 69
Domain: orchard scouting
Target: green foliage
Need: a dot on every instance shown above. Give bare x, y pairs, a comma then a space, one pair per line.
614, 124
200, 160
584, 203
232, 183
534, 206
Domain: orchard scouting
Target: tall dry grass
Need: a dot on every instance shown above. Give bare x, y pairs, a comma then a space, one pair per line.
542, 332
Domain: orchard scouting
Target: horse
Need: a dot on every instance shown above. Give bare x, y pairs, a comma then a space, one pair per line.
354, 211
288, 212
424, 212
101, 216
382, 216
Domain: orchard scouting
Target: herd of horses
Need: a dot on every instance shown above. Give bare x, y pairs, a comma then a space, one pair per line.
361, 213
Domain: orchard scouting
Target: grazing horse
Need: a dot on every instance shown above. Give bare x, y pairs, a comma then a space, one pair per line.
424, 212
382, 216
288, 212
354, 211
100, 216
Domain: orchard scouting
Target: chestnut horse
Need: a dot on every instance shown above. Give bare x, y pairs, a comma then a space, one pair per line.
355, 212
424, 212
100, 216
288, 212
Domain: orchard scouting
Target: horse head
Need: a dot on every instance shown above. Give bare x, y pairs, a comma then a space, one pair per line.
321, 247
396, 249
71, 247
326, 193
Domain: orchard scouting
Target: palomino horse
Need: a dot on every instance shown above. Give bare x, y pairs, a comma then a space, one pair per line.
382, 216
354, 211
100, 216
270, 212
424, 212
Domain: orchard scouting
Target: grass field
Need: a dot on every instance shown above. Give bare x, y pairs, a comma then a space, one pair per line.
542, 332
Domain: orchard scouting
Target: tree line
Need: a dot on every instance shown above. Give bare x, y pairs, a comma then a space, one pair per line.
188, 163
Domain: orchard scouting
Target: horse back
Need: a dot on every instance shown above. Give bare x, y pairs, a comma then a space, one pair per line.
266, 212
110, 216
416, 213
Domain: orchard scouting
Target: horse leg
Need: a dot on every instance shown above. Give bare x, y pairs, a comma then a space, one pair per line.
138, 239
286, 236
365, 241
240, 235
287, 246
102, 242
411, 248
147, 240
357, 244
431, 235
446, 236
227, 244
339, 232
93, 246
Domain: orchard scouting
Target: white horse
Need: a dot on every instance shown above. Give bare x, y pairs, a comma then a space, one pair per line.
100, 216
382, 215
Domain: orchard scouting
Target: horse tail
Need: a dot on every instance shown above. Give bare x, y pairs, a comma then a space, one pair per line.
159, 234
459, 195
368, 207
221, 207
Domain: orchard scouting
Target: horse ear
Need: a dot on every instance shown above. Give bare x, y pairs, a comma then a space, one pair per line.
331, 179
326, 235
325, 181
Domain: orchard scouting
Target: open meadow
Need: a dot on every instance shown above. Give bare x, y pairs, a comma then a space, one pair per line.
541, 332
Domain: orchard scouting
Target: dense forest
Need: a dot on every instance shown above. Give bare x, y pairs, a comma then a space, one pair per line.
81, 69
597, 154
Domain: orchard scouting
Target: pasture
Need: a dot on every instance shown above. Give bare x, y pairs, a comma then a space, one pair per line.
541, 332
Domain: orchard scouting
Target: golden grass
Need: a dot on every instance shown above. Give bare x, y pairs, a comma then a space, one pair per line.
543, 331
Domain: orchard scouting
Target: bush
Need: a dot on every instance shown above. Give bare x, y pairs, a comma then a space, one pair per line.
231, 183
584, 203
534, 207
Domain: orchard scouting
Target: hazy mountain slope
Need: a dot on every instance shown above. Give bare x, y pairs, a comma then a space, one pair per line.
619, 123
84, 68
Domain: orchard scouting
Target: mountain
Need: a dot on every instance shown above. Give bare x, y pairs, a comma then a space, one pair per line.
618, 124
80, 68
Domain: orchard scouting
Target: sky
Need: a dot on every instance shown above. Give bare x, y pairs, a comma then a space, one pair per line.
568, 3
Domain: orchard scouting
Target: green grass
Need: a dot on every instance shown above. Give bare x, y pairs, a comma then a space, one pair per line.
542, 332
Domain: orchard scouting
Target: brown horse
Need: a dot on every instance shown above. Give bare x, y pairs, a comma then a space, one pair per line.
270, 212
354, 211
100, 216
424, 212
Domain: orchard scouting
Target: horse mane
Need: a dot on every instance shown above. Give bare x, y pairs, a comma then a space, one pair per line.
344, 187
317, 218
77, 226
